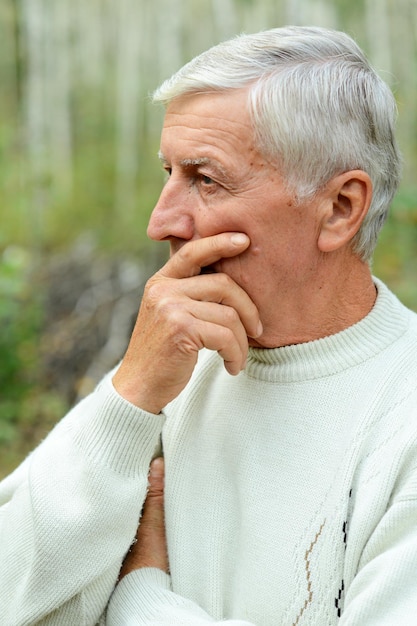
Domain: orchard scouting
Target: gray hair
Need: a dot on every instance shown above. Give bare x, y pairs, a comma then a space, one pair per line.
318, 109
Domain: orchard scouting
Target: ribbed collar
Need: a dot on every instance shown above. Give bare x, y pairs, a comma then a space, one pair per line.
385, 323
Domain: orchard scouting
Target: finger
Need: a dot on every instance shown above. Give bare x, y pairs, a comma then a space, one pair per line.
218, 327
217, 288
194, 255
221, 289
223, 341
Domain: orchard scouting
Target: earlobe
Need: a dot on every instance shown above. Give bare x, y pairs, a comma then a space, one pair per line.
348, 197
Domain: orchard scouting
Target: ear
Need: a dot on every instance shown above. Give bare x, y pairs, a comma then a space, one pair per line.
346, 203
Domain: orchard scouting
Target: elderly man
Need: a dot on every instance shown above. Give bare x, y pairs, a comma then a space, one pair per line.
280, 376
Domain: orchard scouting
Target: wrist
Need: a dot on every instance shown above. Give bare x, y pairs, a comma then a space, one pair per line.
138, 397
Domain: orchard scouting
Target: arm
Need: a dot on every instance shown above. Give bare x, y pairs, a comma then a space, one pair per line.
384, 590
145, 597
69, 513
143, 594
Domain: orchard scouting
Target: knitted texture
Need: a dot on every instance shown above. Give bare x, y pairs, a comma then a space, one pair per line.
291, 494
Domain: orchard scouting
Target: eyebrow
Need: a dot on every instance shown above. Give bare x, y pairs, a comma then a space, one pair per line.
196, 162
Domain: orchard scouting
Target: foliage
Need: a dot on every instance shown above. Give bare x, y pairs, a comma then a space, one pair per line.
19, 322
25, 409
396, 254
78, 144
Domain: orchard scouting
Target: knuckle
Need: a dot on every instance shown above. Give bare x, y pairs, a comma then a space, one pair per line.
188, 259
154, 290
175, 316
166, 308
215, 244
186, 342
161, 296
186, 253
230, 316
226, 336
225, 281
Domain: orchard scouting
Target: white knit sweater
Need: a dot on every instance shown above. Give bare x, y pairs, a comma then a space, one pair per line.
291, 494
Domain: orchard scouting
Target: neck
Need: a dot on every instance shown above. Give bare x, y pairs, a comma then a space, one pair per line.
324, 302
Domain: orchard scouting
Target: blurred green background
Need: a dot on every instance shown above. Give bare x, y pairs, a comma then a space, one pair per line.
79, 174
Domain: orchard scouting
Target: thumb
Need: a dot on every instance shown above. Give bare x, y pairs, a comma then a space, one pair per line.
150, 549
198, 253
153, 510
156, 478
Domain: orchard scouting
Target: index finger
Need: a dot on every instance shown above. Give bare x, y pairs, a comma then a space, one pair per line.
194, 255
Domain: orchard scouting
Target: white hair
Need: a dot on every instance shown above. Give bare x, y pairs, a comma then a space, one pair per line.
318, 109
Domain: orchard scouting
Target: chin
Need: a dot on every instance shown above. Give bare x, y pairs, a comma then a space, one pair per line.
254, 343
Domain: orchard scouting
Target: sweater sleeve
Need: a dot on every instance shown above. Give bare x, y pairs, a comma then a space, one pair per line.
144, 598
384, 590
382, 593
69, 513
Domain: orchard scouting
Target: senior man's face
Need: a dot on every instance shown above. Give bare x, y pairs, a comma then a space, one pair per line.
218, 182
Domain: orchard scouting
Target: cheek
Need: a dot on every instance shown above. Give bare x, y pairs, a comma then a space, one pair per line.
247, 269
209, 222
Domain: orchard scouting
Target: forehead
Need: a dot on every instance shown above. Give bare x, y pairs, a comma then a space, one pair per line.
214, 122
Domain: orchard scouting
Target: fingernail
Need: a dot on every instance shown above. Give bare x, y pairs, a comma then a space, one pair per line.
156, 466
239, 238
259, 329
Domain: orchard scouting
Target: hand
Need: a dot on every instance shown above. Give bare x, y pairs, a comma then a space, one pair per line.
183, 311
150, 549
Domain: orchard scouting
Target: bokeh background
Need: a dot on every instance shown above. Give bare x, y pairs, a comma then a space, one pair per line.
79, 174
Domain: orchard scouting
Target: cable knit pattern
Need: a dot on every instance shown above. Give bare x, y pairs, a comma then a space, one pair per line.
291, 494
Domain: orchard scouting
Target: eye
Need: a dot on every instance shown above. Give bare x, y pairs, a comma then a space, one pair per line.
206, 184
167, 173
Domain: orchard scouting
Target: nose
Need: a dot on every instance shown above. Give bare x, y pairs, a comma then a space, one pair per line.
172, 217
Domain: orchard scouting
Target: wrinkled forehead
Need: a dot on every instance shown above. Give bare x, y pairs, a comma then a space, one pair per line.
211, 110
209, 120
